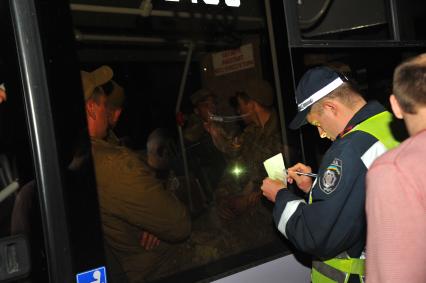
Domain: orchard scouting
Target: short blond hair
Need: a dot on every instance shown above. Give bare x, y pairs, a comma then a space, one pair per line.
345, 93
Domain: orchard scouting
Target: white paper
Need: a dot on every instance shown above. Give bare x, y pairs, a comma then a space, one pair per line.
275, 168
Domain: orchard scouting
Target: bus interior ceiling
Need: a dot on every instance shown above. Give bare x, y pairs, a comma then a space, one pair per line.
147, 47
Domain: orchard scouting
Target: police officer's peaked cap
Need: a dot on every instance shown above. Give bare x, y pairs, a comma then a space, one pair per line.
314, 85
260, 91
91, 80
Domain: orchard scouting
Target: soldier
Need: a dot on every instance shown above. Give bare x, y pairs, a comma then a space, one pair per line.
205, 160
131, 199
260, 140
204, 103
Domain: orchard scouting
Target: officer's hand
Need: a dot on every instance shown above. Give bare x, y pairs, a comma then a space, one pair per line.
303, 182
271, 187
148, 241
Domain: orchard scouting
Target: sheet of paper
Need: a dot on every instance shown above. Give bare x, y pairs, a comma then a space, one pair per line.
275, 167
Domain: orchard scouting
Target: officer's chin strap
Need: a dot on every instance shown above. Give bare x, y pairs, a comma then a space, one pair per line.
227, 119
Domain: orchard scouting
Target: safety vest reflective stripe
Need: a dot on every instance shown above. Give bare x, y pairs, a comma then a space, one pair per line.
288, 212
337, 270
348, 265
371, 154
323, 276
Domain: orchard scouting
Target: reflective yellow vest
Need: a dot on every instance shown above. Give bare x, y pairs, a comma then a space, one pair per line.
339, 269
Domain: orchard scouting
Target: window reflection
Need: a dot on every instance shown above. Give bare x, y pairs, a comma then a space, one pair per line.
205, 63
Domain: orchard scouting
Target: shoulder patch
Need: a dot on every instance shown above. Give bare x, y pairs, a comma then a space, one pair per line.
331, 178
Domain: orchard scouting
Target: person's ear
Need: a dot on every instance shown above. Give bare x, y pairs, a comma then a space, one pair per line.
90, 111
116, 114
396, 108
329, 106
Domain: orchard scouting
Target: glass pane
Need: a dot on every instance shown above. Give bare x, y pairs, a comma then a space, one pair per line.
199, 118
340, 20
20, 215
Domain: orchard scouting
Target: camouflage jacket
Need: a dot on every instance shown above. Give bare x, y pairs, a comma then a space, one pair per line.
132, 200
256, 145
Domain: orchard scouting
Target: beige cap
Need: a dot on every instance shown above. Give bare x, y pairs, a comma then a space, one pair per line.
91, 80
260, 91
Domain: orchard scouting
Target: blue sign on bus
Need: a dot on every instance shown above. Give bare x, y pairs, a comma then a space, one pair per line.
97, 275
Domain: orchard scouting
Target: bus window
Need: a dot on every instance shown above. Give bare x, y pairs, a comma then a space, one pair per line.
201, 111
20, 215
53, 211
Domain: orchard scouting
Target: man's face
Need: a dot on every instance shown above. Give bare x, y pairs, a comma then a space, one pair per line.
246, 109
100, 117
324, 122
205, 108
3, 96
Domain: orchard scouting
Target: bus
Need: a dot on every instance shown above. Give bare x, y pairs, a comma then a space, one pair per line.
162, 53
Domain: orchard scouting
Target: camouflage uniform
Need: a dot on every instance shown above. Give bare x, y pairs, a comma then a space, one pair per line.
256, 145
213, 238
132, 200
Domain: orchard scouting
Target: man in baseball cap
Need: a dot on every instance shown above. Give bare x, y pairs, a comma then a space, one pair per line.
332, 226
95, 97
132, 200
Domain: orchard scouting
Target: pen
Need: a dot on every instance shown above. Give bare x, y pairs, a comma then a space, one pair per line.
304, 174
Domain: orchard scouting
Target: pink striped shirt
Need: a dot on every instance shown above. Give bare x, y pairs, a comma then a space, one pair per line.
396, 214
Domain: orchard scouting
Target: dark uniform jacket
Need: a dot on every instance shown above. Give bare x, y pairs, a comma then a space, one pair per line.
335, 221
132, 200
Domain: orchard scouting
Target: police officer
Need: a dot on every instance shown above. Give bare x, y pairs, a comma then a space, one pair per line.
330, 224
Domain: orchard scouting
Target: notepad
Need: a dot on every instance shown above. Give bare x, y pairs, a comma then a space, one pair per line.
275, 167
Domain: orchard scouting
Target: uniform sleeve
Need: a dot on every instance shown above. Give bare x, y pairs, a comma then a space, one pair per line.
335, 220
146, 204
396, 229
